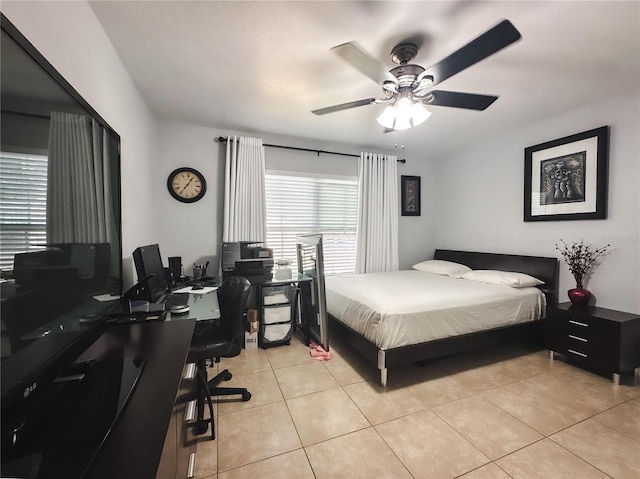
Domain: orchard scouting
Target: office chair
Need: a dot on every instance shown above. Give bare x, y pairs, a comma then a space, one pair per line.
221, 338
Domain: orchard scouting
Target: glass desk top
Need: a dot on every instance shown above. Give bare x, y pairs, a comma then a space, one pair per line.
202, 307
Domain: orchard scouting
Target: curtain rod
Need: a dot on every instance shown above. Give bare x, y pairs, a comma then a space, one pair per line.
222, 139
23, 113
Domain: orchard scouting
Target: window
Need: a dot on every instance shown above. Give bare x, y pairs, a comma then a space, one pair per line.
304, 204
23, 205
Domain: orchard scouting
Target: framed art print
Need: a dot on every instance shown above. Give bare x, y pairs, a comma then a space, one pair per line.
566, 179
410, 195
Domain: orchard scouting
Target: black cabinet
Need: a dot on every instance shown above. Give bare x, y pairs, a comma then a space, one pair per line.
595, 338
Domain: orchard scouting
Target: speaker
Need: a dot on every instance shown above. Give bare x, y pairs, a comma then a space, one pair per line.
175, 267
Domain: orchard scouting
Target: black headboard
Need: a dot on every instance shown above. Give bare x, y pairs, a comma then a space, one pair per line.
541, 267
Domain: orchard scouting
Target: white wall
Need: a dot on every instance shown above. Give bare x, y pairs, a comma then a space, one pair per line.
70, 37
194, 231
472, 200
151, 151
480, 201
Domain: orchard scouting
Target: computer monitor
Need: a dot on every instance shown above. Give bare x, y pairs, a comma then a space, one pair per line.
149, 262
91, 260
86, 263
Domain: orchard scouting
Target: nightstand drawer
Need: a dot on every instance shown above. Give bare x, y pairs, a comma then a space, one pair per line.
592, 343
579, 342
578, 326
582, 327
564, 331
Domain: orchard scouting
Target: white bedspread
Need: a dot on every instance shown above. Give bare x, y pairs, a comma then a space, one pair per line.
408, 307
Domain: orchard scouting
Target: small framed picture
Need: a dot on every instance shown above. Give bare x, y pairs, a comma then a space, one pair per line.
566, 179
410, 195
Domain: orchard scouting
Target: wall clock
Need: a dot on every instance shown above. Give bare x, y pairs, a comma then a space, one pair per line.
186, 185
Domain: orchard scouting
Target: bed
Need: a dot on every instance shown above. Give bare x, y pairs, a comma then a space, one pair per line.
413, 316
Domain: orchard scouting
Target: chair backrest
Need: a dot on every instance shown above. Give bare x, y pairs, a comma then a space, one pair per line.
232, 299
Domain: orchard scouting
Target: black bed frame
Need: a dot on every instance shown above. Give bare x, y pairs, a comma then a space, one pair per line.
543, 268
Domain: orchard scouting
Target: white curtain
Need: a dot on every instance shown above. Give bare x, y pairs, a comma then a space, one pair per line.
378, 205
80, 206
245, 210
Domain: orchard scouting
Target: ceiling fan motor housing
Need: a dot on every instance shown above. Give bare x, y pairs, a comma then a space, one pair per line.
407, 76
403, 53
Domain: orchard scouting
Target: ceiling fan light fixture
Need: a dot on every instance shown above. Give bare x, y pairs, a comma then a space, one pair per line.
387, 119
402, 123
420, 113
403, 108
403, 114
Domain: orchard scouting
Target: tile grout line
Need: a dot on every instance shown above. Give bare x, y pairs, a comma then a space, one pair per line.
430, 408
611, 427
574, 454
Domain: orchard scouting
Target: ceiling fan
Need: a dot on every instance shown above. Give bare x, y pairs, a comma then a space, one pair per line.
407, 87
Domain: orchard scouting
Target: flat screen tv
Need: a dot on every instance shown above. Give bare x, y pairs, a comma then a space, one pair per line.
60, 260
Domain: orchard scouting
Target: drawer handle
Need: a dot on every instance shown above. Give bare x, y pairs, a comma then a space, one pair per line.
191, 371
578, 338
190, 411
577, 353
578, 323
191, 468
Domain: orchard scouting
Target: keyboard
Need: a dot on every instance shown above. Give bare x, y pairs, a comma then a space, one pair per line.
204, 282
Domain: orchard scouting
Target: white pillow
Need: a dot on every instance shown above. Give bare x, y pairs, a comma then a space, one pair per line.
505, 278
438, 266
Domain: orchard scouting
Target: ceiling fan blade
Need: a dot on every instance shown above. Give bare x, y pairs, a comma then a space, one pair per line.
344, 106
362, 61
455, 99
490, 42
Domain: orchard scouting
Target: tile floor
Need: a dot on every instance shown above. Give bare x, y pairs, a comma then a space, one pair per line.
504, 413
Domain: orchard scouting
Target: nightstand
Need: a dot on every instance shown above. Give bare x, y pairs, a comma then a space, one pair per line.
595, 338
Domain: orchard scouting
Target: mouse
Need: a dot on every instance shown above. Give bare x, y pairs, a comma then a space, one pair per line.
197, 286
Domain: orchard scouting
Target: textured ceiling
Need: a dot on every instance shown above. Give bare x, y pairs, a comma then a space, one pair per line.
263, 66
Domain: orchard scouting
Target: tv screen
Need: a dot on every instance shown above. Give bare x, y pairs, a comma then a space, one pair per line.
60, 233
89, 264
148, 263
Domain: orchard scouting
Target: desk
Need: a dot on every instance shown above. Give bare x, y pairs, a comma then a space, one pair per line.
202, 307
135, 443
148, 441
145, 441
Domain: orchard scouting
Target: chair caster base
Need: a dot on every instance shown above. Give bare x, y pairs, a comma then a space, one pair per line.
246, 396
201, 426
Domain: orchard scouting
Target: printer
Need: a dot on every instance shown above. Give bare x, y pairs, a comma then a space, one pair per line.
247, 258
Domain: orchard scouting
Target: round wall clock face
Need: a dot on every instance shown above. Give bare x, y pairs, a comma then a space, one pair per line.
186, 185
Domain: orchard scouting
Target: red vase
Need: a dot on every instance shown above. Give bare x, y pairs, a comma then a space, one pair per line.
579, 296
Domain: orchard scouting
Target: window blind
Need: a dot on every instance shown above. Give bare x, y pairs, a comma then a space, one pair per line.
23, 205
298, 205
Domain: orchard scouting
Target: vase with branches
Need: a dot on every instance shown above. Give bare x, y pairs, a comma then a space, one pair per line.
581, 258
